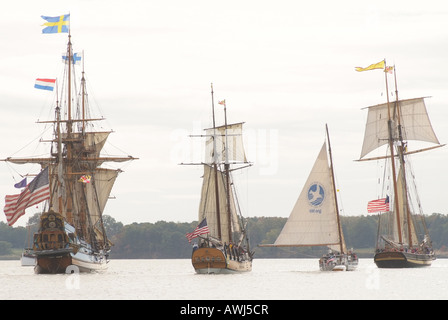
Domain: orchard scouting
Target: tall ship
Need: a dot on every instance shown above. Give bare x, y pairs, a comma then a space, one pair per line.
71, 235
315, 220
222, 244
403, 240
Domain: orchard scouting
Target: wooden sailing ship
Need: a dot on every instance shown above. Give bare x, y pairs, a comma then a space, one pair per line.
224, 247
403, 240
71, 235
315, 220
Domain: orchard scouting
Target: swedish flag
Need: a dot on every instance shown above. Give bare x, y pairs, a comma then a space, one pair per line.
56, 24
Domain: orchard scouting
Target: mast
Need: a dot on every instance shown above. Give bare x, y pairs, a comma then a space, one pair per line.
69, 132
83, 88
400, 149
226, 168
215, 169
334, 192
391, 147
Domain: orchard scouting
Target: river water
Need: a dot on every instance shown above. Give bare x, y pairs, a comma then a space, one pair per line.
270, 279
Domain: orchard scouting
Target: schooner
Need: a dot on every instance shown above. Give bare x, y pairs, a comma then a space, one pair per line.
223, 243
403, 240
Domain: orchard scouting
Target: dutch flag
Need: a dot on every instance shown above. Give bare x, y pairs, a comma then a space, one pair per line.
45, 84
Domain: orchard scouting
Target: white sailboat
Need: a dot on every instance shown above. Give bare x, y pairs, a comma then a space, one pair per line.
315, 221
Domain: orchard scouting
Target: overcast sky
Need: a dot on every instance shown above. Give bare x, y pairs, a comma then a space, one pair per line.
285, 68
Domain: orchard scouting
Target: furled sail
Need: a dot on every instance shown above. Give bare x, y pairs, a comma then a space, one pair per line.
413, 119
313, 220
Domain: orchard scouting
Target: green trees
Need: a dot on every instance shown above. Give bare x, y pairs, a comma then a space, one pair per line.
160, 240
166, 240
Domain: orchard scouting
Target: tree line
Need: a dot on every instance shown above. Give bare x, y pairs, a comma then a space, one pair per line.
166, 240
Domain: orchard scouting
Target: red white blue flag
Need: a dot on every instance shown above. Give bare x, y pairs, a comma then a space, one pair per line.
380, 205
202, 228
45, 84
35, 192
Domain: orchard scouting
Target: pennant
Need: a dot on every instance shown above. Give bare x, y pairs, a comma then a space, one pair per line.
380, 205
58, 24
45, 84
21, 184
35, 192
379, 65
76, 58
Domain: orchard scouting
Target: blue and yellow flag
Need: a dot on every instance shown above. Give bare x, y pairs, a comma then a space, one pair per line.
56, 24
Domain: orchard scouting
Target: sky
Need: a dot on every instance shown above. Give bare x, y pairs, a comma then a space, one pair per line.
285, 68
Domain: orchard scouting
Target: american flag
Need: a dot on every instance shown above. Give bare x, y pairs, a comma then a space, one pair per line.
380, 205
202, 228
36, 191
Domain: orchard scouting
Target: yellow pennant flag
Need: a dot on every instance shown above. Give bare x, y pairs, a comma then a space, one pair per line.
379, 65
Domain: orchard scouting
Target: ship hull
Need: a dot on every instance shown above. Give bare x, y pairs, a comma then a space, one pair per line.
213, 261
28, 260
52, 261
398, 259
65, 261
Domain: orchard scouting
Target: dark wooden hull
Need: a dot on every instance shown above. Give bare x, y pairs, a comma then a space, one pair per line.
398, 259
65, 261
53, 261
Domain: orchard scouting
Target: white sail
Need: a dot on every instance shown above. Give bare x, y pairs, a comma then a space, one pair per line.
414, 121
235, 146
313, 220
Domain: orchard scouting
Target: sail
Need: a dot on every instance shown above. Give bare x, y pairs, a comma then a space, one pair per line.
87, 200
414, 121
408, 231
90, 143
234, 143
313, 220
208, 207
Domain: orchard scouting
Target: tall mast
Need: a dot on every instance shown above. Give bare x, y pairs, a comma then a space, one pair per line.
215, 168
400, 149
335, 194
83, 86
69, 132
391, 147
226, 167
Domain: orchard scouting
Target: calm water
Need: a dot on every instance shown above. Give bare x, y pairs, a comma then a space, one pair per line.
283, 279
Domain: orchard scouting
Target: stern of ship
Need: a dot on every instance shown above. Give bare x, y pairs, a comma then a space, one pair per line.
213, 260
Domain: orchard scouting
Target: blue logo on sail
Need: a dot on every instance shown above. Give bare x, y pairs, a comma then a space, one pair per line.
316, 194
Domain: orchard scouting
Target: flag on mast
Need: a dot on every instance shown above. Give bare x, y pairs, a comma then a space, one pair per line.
45, 84
57, 24
380, 205
35, 192
202, 228
379, 65
21, 184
